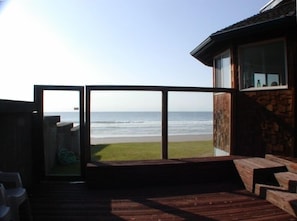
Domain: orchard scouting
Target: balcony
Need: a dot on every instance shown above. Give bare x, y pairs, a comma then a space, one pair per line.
167, 189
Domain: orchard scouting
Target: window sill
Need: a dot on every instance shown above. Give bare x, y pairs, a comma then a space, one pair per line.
265, 88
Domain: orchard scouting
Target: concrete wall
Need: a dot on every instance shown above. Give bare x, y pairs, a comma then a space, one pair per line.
50, 141
59, 135
75, 140
64, 135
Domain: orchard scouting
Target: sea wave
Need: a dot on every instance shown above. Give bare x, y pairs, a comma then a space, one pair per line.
116, 122
126, 124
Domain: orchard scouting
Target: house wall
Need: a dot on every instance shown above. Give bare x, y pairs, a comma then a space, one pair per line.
222, 122
265, 120
265, 123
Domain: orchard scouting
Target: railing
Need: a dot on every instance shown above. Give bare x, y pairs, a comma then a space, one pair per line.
163, 89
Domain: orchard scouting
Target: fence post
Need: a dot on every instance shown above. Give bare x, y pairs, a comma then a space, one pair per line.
87, 134
164, 124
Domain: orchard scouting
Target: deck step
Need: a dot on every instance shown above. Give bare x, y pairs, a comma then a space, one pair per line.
130, 174
258, 170
284, 200
261, 189
288, 180
291, 163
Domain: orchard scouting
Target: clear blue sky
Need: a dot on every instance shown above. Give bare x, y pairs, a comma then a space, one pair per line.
114, 42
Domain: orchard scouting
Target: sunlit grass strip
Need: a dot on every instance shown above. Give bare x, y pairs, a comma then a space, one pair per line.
190, 149
139, 151
65, 170
150, 150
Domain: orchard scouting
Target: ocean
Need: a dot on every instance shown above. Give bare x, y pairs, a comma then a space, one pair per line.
139, 124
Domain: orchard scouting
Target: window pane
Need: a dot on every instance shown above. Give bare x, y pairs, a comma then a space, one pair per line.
223, 70
218, 80
262, 65
226, 71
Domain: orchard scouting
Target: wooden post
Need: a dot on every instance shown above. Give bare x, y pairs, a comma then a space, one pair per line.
38, 149
164, 124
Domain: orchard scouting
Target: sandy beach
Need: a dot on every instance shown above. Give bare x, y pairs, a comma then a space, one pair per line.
175, 138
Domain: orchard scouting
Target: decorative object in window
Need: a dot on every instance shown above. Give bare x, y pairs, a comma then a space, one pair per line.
273, 79
260, 80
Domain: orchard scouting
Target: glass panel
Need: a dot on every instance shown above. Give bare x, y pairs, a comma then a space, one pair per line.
226, 70
125, 125
223, 70
263, 65
61, 133
218, 81
190, 125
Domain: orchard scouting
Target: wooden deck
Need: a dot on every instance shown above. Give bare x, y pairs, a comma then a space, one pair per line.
194, 189
224, 201
162, 172
209, 201
273, 178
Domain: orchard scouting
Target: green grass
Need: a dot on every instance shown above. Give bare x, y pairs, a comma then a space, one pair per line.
150, 150
138, 151
68, 170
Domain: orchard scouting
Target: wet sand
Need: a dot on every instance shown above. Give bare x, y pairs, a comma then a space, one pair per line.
175, 138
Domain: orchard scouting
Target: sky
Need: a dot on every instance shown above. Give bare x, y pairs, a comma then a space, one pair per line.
111, 42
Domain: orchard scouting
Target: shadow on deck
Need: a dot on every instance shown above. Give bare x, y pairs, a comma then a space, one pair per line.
211, 197
161, 172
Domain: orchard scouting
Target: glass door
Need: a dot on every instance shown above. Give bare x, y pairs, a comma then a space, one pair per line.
62, 119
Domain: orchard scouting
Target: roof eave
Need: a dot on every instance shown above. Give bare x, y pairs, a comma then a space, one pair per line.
271, 4
203, 51
207, 43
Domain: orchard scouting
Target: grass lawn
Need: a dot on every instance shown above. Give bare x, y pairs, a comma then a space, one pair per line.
150, 150
139, 151
62, 170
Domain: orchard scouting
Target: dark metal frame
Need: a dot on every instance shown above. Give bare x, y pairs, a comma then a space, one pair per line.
85, 123
163, 89
39, 99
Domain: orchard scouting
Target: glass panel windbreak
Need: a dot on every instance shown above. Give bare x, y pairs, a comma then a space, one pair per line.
61, 133
263, 66
125, 125
190, 124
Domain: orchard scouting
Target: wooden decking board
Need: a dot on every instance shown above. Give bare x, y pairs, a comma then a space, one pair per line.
291, 163
269, 178
273, 216
284, 200
209, 202
161, 172
257, 170
258, 162
261, 189
288, 180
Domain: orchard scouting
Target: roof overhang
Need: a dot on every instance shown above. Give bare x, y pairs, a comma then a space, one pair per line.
219, 41
271, 4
